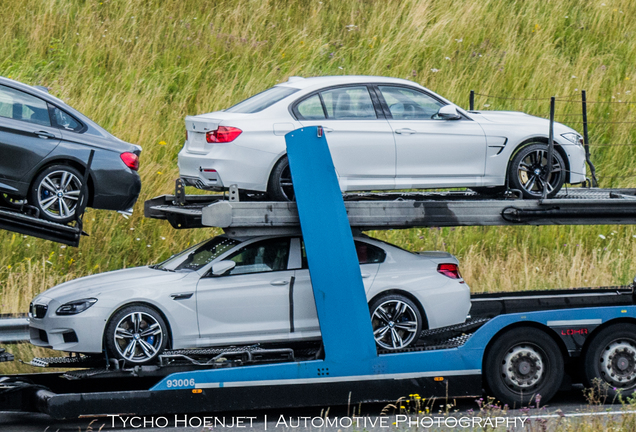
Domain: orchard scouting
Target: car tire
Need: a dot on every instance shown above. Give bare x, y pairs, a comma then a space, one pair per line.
136, 334
527, 169
522, 364
396, 320
280, 186
55, 192
610, 361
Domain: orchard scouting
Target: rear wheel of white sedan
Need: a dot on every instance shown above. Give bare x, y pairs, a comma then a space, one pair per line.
280, 186
396, 321
136, 334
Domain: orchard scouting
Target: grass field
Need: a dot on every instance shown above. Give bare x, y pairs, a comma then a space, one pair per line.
139, 67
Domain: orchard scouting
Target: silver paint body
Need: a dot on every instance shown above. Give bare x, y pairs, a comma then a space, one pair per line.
243, 308
371, 154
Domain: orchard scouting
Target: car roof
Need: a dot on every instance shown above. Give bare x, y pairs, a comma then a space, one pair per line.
324, 81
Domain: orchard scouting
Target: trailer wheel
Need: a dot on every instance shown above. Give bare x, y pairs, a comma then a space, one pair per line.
136, 334
521, 364
611, 358
396, 321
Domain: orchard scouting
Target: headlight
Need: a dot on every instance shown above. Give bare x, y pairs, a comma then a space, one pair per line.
574, 138
75, 307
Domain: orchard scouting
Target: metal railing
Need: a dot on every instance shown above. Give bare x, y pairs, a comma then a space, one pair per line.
14, 328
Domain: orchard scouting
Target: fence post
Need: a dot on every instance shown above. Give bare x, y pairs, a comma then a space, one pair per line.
548, 171
586, 139
471, 101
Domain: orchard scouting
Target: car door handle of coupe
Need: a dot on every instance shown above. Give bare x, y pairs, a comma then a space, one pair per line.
279, 282
181, 296
44, 135
404, 131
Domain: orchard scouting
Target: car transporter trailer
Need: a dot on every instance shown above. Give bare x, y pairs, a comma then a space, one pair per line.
516, 344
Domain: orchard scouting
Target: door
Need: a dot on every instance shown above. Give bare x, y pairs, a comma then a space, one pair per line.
26, 134
431, 151
251, 302
305, 314
360, 141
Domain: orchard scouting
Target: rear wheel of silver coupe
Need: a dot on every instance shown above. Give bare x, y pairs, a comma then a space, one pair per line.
136, 334
528, 169
280, 186
523, 364
56, 193
396, 321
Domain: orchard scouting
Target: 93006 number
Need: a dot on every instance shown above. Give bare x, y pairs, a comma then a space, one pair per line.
180, 383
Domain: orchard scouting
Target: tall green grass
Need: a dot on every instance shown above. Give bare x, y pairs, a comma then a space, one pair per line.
139, 67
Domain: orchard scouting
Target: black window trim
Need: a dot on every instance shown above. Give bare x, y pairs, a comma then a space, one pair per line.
54, 123
293, 107
385, 106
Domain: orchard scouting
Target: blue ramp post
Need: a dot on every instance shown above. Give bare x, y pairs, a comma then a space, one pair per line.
339, 293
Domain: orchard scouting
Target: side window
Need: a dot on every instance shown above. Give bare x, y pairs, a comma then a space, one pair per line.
408, 104
349, 103
65, 120
367, 254
311, 108
264, 256
18, 105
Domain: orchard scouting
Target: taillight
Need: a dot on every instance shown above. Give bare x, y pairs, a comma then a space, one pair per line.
224, 134
449, 270
131, 160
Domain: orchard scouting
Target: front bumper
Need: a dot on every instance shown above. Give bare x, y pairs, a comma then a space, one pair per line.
81, 333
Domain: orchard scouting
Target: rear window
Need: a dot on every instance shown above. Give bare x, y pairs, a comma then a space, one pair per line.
262, 100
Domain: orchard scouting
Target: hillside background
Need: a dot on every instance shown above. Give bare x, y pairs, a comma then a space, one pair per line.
139, 67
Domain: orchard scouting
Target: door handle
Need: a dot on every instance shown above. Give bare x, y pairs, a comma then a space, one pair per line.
365, 275
404, 131
326, 129
279, 282
44, 134
181, 296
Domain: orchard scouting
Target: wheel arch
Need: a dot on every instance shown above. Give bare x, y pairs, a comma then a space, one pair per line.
139, 303
543, 140
406, 294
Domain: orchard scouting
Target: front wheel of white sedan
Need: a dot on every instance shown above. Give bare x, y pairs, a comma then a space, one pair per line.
528, 171
136, 334
396, 321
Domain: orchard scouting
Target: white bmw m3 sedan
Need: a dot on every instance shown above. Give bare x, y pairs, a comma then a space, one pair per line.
228, 291
383, 134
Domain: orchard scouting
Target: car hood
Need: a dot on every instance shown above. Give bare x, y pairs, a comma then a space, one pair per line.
488, 119
110, 281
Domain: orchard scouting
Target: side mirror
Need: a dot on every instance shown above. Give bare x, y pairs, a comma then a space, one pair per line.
222, 267
448, 112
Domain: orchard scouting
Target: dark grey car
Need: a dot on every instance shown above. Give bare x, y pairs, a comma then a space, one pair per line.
44, 148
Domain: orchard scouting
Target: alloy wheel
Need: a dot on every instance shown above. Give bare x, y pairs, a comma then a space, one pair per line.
138, 337
532, 172
58, 194
395, 324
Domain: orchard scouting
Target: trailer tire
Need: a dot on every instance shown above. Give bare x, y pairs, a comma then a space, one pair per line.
523, 364
611, 358
136, 334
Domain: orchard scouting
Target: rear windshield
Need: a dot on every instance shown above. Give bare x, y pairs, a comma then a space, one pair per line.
197, 256
262, 100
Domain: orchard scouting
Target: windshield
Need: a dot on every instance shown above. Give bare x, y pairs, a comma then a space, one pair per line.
197, 256
262, 100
